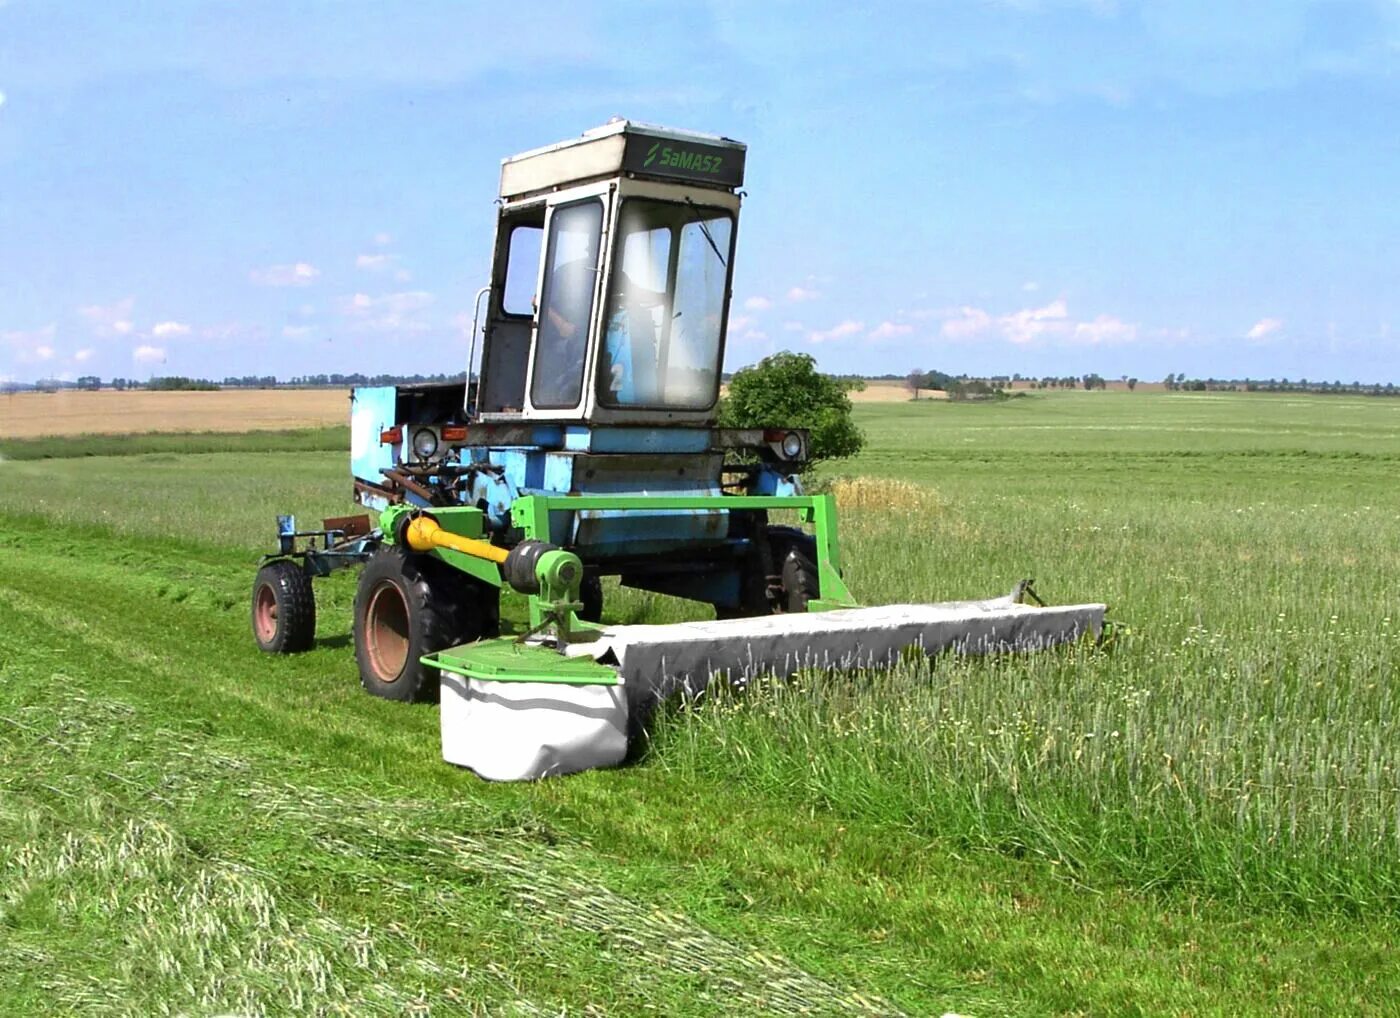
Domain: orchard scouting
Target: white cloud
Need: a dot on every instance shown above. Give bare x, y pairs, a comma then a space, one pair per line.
382, 239
109, 319
754, 335
405, 302
850, 327
1030, 286
402, 276
148, 354
794, 327
966, 323
798, 294
84, 355
889, 330
400, 312
1029, 325
757, 304
1263, 328
737, 322
233, 330
30, 345
1106, 329
163, 330
2, 98
296, 331
373, 262
295, 274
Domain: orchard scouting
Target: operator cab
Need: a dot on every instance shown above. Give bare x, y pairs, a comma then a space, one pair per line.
611, 279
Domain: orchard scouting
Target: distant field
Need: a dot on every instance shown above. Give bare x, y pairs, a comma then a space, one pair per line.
889, 392
895, 392
37, 414
1201, 818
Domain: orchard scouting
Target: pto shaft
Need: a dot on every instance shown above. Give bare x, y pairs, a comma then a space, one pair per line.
424, 534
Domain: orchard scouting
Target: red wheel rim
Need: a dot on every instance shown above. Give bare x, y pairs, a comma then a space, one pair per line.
265, 613
386, 627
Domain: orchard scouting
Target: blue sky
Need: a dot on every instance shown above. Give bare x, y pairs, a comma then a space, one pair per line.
983, 187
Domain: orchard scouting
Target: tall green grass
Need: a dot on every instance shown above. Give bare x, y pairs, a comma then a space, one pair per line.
1237, 739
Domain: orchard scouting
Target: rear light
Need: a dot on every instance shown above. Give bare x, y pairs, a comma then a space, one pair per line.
773, 434
392, 436
454, 434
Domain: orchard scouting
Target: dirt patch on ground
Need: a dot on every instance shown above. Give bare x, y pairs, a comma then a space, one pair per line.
35, 414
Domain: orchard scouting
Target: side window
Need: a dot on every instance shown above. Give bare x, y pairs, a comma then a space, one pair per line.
566, 305
522, 270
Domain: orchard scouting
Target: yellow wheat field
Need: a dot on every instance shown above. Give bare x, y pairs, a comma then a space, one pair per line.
38, 414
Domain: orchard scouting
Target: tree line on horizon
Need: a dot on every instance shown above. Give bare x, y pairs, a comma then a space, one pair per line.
956, 386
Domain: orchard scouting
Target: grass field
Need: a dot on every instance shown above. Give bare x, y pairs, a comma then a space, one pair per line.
1202, 817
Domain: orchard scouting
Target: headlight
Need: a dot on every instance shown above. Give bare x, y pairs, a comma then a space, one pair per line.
425, 443
792, 445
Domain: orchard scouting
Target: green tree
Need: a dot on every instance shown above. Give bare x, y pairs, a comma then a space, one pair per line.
786, 390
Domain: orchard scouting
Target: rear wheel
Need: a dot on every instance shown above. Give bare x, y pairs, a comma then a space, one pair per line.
407, 606
283, 611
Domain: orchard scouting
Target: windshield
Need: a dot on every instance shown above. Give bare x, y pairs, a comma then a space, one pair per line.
665, 310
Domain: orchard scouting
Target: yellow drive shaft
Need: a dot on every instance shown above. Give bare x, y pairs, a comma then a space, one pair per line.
424, 534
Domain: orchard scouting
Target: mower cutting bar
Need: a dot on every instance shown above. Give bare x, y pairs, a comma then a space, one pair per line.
657, 660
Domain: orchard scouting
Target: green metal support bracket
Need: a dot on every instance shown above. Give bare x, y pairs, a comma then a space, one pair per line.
464, 521
532, 512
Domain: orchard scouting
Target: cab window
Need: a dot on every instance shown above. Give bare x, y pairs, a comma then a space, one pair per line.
566, 305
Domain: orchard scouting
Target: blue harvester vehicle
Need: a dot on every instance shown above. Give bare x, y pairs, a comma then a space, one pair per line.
587, 446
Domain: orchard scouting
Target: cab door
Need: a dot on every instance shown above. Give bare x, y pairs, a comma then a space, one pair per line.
510, 317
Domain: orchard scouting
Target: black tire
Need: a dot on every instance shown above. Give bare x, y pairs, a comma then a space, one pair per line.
406, 606
590, 592
795, 557
283, 609
800, 580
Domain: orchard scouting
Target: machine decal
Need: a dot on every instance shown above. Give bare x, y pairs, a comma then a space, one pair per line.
689, 161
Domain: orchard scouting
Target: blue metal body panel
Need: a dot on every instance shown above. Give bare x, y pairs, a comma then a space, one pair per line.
491, 490
558, 472
771, 482
580, 459
661, 441
372, 411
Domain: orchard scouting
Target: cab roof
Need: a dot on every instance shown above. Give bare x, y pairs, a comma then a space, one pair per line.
626, 148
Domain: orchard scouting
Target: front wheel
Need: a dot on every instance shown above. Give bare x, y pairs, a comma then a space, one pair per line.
405, 607
591, 594
283, 612
800, 581
794, 556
